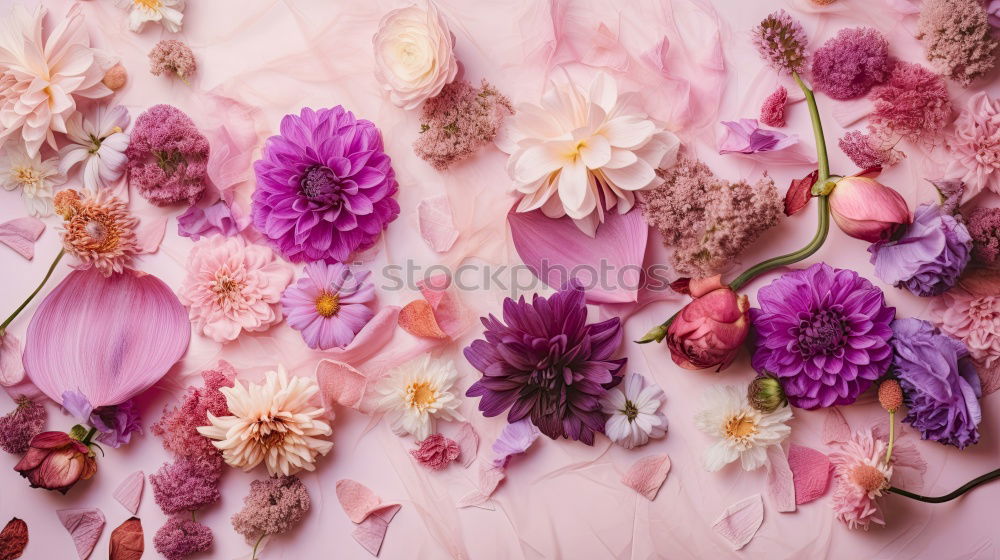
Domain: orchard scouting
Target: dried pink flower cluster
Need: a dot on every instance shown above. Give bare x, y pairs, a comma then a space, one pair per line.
167, 157
21, 424
912, 104
849, 64
959, 38
458, 121
984, 226
436, 452
181, 538
186, 485
781, 42
273, 506
174, 57
868, 150
708, 221
178, 427
772, 111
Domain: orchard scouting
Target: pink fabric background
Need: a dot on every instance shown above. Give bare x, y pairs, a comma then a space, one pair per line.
562, 499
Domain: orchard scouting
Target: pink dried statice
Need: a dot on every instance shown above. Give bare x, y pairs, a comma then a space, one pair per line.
167, 157
436, 452
174, 57
458, 121
984, 226
772, 112
186, 485
912, 104
848, 65
21, 424
179, 425
868, 150
181, 538
708, 221
273, 506
781, 42
959, 38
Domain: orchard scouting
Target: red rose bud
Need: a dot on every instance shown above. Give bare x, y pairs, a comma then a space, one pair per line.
709, 331
55, 461
866, 209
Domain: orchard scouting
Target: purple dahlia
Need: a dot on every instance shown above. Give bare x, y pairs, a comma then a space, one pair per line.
324, 186
544, 362
940, 383
824, 333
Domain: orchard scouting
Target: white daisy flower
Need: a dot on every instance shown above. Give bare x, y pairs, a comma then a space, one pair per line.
415, 395
167, 13
34, 177
744, 433
98, 144
635, 415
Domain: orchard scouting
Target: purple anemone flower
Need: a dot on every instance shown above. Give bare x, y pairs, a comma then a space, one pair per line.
544, 362
329, 305
324, 186
745, 136
824, 333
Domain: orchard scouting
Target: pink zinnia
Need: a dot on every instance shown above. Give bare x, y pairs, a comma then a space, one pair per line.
860, 477
436, 452
772, 112
973, 319
329, 305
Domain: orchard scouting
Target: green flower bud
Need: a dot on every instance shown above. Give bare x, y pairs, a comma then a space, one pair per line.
765, 394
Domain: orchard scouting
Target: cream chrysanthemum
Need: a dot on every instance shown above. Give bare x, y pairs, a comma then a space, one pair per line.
417, 394
743, 432
272, 423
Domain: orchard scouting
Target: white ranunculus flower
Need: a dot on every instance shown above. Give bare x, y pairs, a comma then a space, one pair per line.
168, 13
414, 55
98, 144
415, 395
583, 153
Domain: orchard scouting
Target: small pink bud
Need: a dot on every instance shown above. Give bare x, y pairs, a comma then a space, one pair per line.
866, 209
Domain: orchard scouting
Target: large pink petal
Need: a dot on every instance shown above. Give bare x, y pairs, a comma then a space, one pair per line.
372, 338
739, 523
85, 526
646, 475
340, 384
780, 482
810, 473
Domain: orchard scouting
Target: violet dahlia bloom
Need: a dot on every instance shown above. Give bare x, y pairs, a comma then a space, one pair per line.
930, 256
329, 305
824, 333
324, 186
544, 362
940, 383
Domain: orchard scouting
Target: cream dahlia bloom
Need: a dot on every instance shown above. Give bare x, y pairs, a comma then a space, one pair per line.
582, 153
418, 393
743, 432
41, 76
413, 55
31, 175
271, 423
167, 13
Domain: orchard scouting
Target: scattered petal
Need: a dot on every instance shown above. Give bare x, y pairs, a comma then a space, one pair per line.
780, 483
810, 473
127, 541
489, 479
129, 492
371, 532
340, 383
85, 526
417, 318
375, 335
149, 233
468, 442
437, 226
799, 193
835, 427
11, 370
739, 523
13, 539
366, 509
515, 439
646, 475
449, 312
20, 235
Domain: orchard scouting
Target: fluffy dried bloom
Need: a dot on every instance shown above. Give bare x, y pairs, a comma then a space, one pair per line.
975, 145
178, 427
186, 485
271, 423
173, 57
167, 157
273, 506
973, 319
708, 221
848, 65
18, 426
860, 477
869, 150
459, 121
984, 226
436, 452
781, 42
181, 538
33, 176
912, 104
772, 111
98, 230
958, 37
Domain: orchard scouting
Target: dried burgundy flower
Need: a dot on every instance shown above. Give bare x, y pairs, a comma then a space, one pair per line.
436, 452
912, 104
458, 121
772, 112
56, 461
174, 57
273, 506
179, 425
21, 424
959, 38
984, 226
167, 156
181, 538
186, 485
848, 65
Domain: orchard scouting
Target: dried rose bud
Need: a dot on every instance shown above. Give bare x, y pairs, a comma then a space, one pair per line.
890, 395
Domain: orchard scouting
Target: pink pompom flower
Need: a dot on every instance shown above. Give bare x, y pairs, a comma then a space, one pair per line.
181, 538
772, 112
436, 452
848, 65
167, 157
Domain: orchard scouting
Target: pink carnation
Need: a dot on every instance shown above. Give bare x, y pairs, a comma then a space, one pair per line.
868, 151
984, 226
436, 452
772, 112
848, 65
179, 425
21, 424
975, 145
959, 38
273, 506
181, 538
186, 485
167, 157
912, 104
973, 319
459, 121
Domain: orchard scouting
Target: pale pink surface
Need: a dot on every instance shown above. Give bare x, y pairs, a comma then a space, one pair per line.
560, 499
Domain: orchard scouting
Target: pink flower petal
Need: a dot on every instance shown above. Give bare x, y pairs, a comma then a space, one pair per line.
835, 427
437, 226
20, 235
129, 492
366, 509
468, 442
647, 475
11, 370
85, 526
780, 483
372, 338
417, 318
810, 473
489, 478
150, 231
340, 383
739, 523
371, 532
450, 314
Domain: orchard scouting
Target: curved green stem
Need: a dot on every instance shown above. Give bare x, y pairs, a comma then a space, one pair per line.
52, 267
253, 555
992, 475
89, 436
822, 161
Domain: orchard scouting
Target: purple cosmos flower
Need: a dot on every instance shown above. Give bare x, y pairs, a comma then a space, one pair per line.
928, 259
824, 333
324, 186
940, 384
747, 137
545, 362
329, 305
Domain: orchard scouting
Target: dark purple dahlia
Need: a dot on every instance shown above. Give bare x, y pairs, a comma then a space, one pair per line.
324, 186
940, 383
824, 333
545, 362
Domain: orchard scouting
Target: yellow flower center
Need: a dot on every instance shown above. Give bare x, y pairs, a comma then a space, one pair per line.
574, 153
327, 304
868, 477
27, 176
740, 427
420, 395
148, 4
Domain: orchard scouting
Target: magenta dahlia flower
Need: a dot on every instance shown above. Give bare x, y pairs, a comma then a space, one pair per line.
546, 363
324, 186
329, 305
824, 333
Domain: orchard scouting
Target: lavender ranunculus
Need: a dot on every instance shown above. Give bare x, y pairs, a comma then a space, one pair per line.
940, 383
544, 362
930, 256
824, 333
324, 186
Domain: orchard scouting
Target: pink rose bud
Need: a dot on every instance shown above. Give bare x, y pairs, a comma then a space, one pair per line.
56, 461
709, 331
866, 209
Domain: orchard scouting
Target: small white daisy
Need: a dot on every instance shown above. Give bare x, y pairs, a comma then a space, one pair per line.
635, 415
33, 176
98, 144
166, 12
744, 433
418, 393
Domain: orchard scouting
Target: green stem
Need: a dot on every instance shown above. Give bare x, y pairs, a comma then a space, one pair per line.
253, 555
821, 158
892, 436
193, 518
992, 475
90, 435
52, 267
